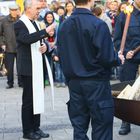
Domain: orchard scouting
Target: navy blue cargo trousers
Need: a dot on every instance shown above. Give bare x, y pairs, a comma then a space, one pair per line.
91, 101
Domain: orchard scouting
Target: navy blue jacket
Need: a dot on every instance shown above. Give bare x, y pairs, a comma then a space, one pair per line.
85, 47
133, 34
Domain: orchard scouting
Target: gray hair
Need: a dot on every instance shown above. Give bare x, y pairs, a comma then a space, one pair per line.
28, 3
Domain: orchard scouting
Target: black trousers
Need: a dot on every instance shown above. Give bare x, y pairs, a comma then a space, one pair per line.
30, 122
91, 101
9, 64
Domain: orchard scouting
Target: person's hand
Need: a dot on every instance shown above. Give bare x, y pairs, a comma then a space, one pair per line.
51, 27
56, 58
121, 56
3, 47
129, 55
43, 48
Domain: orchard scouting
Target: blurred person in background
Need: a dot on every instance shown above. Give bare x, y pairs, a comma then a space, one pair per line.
69, 7
122, 7
60, 11
8, 43
54, 5
107, 3
44, 9
61, 14
59, 76
112, 12
48, 20
99, 12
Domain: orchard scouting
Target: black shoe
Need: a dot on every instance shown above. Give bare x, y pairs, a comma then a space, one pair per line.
42, 134
9, 86
32, 136
125, 128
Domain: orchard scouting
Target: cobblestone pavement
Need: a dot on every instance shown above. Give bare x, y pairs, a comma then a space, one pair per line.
55, 122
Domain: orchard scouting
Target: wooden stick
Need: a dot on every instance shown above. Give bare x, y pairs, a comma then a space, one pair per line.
125, 32
136, 50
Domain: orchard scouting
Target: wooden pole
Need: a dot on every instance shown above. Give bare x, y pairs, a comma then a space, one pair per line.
125, 32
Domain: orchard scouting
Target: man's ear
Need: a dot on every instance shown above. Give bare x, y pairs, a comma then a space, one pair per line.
91, 2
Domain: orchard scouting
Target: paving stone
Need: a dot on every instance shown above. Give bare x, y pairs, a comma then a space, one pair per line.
1, 136
12, 136
55, 122
69, 132
61, 135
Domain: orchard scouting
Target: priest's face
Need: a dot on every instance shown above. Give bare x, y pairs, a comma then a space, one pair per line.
35, 9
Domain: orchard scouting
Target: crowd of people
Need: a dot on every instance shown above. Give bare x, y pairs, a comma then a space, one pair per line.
55, 12
81, 40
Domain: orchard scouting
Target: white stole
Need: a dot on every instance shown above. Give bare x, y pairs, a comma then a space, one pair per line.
37, 71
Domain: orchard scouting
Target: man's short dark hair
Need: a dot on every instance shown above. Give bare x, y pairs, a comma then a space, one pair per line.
81, 2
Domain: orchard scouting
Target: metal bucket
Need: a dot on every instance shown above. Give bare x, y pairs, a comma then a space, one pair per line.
126, 110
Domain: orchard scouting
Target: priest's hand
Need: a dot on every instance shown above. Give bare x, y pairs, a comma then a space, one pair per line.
51, 27
43, 48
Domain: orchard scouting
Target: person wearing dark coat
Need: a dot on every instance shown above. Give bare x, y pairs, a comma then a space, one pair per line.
87, 55
128, 70
8, 43
25, 43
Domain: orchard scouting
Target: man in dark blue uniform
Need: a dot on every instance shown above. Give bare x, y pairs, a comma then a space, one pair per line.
87, 56
129, 69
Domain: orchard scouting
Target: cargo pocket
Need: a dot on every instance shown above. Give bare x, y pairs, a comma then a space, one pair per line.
105, 111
